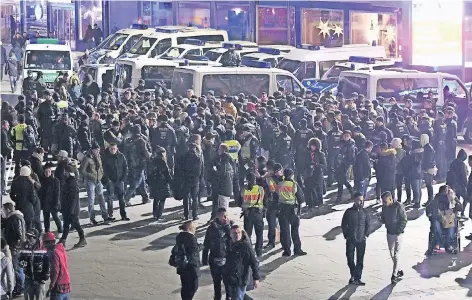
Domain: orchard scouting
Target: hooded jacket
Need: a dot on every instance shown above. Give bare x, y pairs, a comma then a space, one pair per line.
15, 230
429, 156
241, 256
159, 178
91, 168
192, 249
24, 195
385, 168
60, 278
90, 87
223, 175
412, 163
394, 217
217, 241
457, 174
50, 193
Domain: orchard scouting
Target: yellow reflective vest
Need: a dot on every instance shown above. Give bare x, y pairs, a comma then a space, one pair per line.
287, 191
17, 134
233, 149
254, 198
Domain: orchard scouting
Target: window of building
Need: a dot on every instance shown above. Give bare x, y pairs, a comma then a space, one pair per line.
320, 26
194, 14
234, 19
275, 25
90, 13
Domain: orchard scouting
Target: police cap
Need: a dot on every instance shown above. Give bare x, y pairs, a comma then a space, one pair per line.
152, 116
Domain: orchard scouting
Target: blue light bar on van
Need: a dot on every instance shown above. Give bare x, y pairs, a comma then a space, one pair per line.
195, 42
232, 45
258, 64
308, 47
47, 41
138, 26
268, 50
362, 59
166, 30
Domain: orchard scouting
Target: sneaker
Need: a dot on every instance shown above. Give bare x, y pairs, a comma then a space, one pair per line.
469, 237
352, 280
407, 202
82, 243
286, 253
196, 218
416, 205
400, 273
145, 201
359, 282
464, 217
94, 222
271, 246
124, 219
110, 219
300, 253
394, 279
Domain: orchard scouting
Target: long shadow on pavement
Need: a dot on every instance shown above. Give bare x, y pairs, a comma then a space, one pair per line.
466, 282
437, 265
168, 240
384, 293
344, 293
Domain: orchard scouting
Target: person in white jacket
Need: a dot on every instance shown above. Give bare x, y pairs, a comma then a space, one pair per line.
8, 277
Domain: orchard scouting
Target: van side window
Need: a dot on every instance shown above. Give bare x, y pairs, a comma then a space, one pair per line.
325, 65
205, 38
163, 45
285, 82
401, 88
454, 87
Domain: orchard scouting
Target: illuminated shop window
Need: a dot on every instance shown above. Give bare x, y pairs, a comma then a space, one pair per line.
275, 25
320, 25
194, 14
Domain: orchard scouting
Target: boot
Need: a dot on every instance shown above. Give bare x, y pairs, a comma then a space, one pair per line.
82, 243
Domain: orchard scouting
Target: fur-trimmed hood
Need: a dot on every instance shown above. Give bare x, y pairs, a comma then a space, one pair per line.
388, 152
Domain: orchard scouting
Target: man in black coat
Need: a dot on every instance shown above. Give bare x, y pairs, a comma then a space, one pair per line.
6, 152
47, 114
457, 176
344, 161
451, 136
70, 207
64, 135
50, 196
355, 227
192, 173
362, 169
115, 172
428, 165
314, 173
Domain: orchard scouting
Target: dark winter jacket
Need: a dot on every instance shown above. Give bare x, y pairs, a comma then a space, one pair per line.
47, 113
91, 168
35, 265
223, 175
412, 164
70, 197
14, 228
64, 136
355, 224
347, 154
24, 195
84, 136
217, 242
429, 158
192, 167
457, 174
115, 166
315, 167
7, 148
50, 193
385, 168
159, 178
394, 217
90, 87
362, 167
192, 251
241, 256
36, 165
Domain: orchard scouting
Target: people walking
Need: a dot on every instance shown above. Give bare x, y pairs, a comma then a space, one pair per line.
59, 278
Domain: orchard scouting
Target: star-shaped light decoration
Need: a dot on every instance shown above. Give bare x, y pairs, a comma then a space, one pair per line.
338, 30
324, 28
390, 33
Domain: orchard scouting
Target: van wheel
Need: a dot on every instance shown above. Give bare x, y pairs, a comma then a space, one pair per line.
468, 136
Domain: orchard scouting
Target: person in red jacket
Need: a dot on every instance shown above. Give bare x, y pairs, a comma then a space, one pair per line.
59, 286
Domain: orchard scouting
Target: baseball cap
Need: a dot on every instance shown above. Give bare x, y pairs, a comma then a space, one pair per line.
49, 236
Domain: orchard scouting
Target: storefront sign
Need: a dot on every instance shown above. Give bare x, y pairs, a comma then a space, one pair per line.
36, 18
437, 32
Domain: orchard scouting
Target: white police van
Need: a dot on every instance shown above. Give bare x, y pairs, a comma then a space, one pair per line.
311, 62
156, 43
272, 54
97, 71
232, 81
402, 84
118, 43
50, 56
241, 47
189, 49
329, 81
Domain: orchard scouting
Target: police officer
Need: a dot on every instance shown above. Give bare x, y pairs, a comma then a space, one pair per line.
248, 153
140, 89
302, 136
17, 136
273, 176
397, 127
234, 147
230, 58
315, 166
253, 206
439, 144
334, 146
379, 129
344, 162
366, 124
164, 136
290, 197
283, 148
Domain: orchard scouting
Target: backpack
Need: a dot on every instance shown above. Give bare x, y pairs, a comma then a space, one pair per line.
178, 257
29, 138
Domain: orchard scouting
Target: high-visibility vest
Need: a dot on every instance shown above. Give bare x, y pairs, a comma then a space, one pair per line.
18, 134
246, 149
233, 149
287, 191
254, 198
272, 185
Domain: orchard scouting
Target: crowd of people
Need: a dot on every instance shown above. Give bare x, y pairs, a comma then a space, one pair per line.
269, 153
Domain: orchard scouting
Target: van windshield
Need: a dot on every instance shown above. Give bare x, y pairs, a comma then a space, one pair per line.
153, 74
123, 75
350, 84
48, 60
333, 73
301, 70
143, 45
115, 41
181, 82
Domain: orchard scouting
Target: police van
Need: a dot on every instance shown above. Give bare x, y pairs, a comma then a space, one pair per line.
272, 54
309, 63
156, 43
118, 43
128, 72
189, 49
329, 81
403, 84
232, 81
97, 71
50, 56
241, 47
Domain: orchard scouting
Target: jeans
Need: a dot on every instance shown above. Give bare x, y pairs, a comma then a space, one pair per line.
191, 194
116, 190
96, 188
13, 83
47, 220
217, 273
449, 242
59, 296
254, 218
341, 178
399, 179
237, 292
394, 245
416, 189
271, 216
428, 180
137, 182
35, 290
355, 267
72, 221
19, 274
361, 187
3, 182
158, 206
314, 195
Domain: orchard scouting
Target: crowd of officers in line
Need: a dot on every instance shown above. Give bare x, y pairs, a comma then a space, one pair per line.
268, 152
